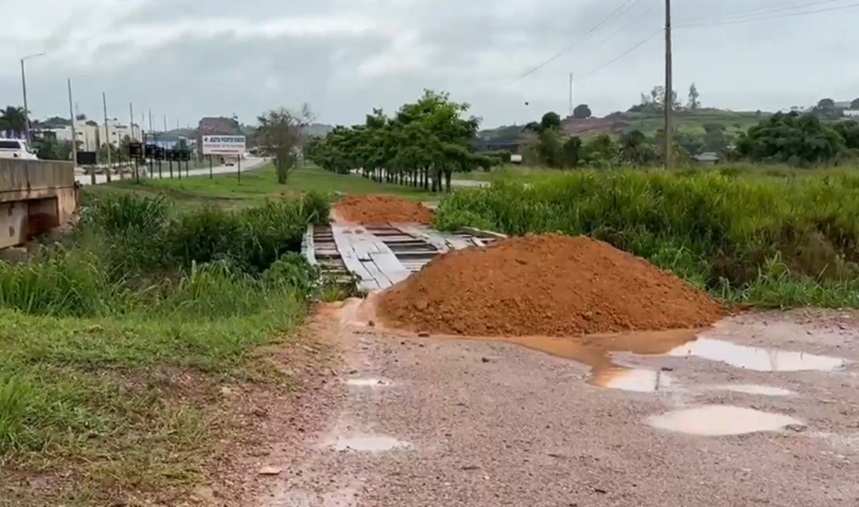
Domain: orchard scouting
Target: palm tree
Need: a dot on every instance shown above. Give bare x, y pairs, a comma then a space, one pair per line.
13, 121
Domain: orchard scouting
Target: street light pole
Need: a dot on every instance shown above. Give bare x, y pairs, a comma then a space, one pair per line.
24, 89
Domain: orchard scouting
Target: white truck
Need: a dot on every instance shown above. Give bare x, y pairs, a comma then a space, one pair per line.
16, 148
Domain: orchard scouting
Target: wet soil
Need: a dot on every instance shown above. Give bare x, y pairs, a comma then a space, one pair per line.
490, 423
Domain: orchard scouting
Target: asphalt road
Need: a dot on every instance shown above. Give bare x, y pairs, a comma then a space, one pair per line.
247, 165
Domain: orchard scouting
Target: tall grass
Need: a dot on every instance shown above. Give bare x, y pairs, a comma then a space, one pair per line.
753, 237
90, 330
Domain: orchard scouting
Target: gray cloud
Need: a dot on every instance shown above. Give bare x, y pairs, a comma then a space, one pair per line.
187, 58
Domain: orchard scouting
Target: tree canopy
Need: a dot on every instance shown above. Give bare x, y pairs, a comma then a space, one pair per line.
582, 111
425, 141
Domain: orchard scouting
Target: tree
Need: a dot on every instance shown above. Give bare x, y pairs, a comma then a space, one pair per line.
573, 152
791, 138
550, 120
13, 121
550, 148
855, 104
281, 132
421, 145
635, 150
826, 104
693, 97
582, 111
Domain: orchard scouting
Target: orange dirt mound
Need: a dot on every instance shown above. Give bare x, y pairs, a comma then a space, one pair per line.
378, 209
550, 285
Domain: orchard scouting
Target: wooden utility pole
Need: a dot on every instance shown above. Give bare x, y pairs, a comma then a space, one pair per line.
669, 90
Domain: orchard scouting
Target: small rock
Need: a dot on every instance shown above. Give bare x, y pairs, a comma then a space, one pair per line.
352, 372
269, 471
470, 467
484, 359
226, 391
260, 412
371, 323
798, 428
423, 334
667, 368
600, 491
203, 493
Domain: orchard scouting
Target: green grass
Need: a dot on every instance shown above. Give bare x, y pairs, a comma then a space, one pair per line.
769, 238
114, 345
508, 172
259, 184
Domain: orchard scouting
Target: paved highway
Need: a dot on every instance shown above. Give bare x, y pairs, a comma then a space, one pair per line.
247, 165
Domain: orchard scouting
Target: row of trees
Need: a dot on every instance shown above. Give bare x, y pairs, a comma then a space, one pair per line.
421, 145
796, 139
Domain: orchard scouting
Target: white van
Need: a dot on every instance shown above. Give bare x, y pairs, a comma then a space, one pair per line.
16, 148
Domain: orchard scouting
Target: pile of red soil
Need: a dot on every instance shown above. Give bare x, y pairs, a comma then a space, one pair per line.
550, 285
380, 209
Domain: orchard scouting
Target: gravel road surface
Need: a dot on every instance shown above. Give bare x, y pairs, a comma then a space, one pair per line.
435, 421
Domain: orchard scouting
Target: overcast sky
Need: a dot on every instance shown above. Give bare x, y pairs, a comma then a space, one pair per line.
193, 58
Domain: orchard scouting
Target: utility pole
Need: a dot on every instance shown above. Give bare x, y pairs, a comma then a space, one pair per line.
132, 139
571, 93
106, 134
74, 132
24, 89
669, 90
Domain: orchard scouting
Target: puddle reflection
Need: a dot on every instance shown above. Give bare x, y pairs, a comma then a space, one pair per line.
721, 420
632, 379
756, 358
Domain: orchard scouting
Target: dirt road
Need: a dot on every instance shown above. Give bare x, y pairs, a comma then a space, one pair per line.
440, 422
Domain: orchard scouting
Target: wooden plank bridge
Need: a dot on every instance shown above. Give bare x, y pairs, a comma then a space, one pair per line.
381, 255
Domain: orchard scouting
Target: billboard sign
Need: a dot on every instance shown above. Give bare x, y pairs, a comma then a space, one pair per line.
224, 145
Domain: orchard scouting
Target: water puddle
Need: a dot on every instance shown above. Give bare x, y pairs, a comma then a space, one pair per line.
756, 358
632, 379
720, 420
367, 382
753, 389
368, 443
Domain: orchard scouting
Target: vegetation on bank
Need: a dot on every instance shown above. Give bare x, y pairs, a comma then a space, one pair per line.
115, 342
747, 237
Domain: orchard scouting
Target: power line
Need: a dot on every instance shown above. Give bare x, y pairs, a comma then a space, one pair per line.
628, 4
620, 56
768, 10
763, 17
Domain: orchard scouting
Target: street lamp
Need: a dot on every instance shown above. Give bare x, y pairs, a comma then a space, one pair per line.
24, 86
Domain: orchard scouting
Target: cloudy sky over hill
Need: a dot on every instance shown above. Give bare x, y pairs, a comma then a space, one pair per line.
190, 58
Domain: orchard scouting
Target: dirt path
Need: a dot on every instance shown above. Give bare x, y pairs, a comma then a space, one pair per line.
429, 422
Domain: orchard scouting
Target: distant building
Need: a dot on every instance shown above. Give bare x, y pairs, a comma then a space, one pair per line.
707, 158
91, 135
851, 113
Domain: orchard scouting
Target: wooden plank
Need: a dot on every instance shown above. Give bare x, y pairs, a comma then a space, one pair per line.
343, 240
425, 235
478, 242
307, 246
457, 243
480, 232
393, 269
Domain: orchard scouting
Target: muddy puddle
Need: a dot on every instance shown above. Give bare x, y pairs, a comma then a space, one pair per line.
597, 351
367, 443
721, 420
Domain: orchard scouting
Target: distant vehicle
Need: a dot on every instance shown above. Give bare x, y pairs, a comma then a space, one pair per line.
16, 148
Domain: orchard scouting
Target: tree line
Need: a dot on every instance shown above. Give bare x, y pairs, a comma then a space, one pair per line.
421, 145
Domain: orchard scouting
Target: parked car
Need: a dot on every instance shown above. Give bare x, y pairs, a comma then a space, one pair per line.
16, 148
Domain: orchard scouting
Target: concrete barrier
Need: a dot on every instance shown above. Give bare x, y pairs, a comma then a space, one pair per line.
35, 196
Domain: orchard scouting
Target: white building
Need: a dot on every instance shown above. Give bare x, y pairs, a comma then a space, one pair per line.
91, 135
